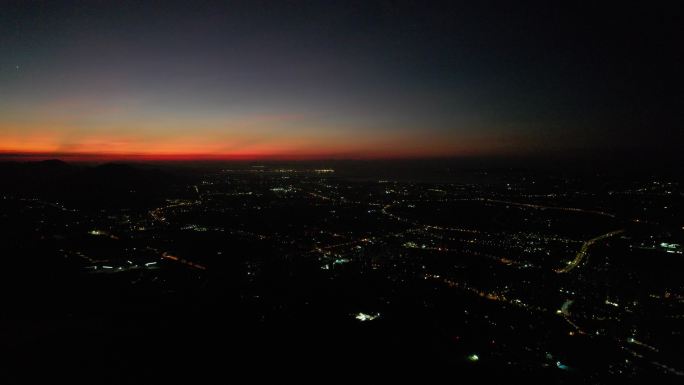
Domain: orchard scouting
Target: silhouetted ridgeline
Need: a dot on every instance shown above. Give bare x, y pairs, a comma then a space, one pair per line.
80, 186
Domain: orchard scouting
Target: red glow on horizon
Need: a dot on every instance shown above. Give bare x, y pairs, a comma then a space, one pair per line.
244, 145
107, 149
105, 157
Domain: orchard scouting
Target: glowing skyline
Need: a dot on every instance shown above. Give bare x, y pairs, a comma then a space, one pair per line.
131, 129
319, 80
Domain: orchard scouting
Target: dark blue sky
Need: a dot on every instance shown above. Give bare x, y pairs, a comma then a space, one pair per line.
341, 79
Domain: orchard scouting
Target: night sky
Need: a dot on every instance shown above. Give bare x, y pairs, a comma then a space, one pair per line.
260, 79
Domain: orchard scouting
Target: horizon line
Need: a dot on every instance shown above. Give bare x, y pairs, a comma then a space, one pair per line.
91, 157
141, 157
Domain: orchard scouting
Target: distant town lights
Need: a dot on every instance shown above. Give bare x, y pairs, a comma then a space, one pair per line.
363, 317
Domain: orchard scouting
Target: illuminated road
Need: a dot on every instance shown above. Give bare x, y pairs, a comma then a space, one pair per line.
427, 226
183, 261
158, 213
543, 207
489, 295
385, 210
582, 253
174, 258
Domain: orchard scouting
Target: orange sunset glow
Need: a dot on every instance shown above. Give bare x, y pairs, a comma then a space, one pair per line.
99, 136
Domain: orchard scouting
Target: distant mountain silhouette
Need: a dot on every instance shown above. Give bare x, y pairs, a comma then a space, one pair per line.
29, 176
78, 186
52, 163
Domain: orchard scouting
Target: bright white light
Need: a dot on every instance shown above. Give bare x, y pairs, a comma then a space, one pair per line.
366, 317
